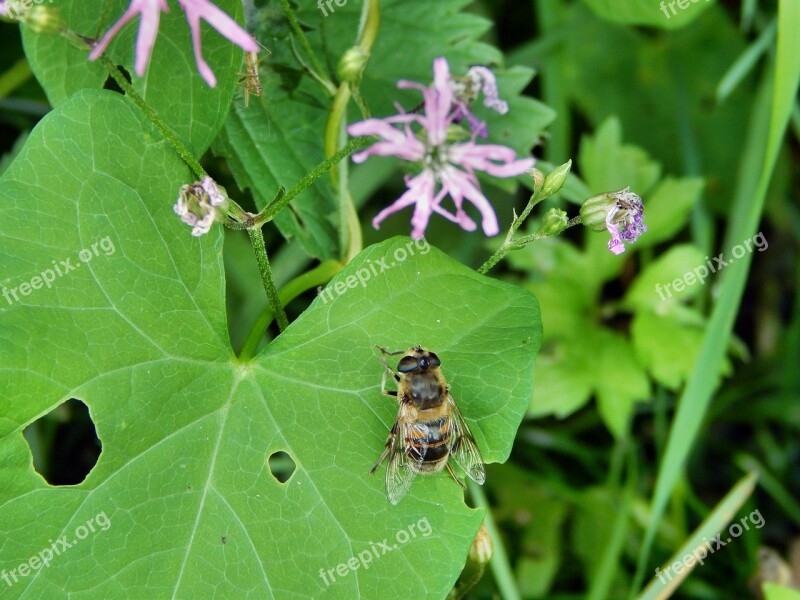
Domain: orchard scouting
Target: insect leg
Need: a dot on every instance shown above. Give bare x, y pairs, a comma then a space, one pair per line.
458, 481
396, 377
387, 450
385, 351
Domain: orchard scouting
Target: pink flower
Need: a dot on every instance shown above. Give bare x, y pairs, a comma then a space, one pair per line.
448, 168
150, 11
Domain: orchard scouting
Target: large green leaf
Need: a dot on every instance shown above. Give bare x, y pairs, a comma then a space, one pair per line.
171, 85
183, 483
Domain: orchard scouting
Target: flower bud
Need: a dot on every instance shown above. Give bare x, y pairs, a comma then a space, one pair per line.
200, 204
555, 221
352, 64
538, 179
482, 548
555, 179
43, 19
596, 209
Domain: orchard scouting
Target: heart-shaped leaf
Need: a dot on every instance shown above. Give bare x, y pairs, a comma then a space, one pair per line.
109, 300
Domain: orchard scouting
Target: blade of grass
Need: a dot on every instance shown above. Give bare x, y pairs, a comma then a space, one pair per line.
745, 62
772, 486
668, 579
747, 208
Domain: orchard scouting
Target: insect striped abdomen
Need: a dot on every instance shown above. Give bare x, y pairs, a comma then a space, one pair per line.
427, 443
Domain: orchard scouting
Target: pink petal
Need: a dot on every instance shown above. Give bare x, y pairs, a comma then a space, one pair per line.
615, 243
402, 144
150, 11
438, 102
458, 184
420, 191
197, 9
146, 39
473, 156
220, 21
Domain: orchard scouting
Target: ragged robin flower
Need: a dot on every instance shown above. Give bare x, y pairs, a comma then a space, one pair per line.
150, 10
620, 213
447, 166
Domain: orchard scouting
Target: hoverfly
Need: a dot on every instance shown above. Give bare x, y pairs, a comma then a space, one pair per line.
429, 428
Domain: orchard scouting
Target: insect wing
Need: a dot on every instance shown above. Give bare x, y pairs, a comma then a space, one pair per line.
400, 470
464, 449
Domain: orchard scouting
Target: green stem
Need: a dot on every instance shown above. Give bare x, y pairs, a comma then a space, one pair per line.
517, 244
320, 274
350, 239
18, 74
274, 207
168, 134
316, 69
501, 568
257, 239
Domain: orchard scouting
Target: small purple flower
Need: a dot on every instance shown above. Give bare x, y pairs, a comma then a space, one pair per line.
150, 10
620, 213
199, 205
448, 168
625, 221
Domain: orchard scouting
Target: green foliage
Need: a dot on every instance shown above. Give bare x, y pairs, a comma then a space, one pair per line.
583, 354
232, 476
138, 333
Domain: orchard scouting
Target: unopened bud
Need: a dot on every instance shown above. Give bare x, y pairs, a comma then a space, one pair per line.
352, 64
43, 19
538, 179
596, 209
555, 179
554, 222
482, 547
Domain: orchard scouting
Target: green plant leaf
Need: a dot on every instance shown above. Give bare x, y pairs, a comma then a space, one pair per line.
171, 85
607, 165
276, 141
592, 360
773, 591
668, 347
137, 332
562, 387
656, 284
667, 208
620, 379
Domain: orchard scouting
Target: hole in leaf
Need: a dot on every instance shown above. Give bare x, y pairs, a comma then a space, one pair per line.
111, 84
64, 443
281, 466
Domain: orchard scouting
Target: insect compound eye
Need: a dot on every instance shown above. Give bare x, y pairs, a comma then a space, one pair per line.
407, 364
433, 360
